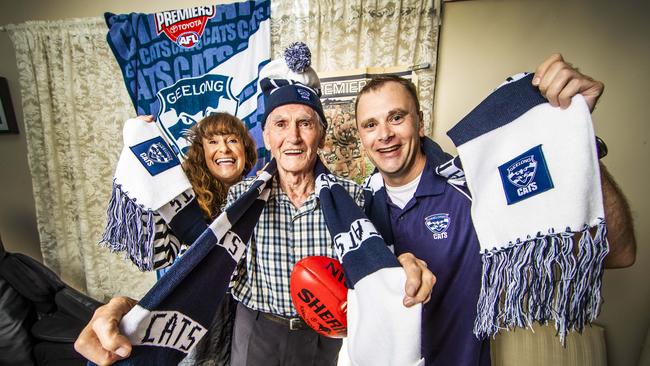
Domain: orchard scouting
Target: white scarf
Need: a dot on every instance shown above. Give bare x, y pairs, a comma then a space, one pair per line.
533, 173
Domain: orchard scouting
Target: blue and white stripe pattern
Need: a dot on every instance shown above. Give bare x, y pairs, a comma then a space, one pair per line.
173, 316
132, 225
381, 331
534, 178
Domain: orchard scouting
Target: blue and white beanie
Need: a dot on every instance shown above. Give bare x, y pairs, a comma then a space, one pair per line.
291, 80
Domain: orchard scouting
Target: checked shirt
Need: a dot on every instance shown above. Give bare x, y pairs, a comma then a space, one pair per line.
284, 235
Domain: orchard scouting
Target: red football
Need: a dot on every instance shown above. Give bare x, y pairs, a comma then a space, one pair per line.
319, 294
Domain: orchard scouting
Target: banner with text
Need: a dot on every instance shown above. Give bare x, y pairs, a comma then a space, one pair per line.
181, 65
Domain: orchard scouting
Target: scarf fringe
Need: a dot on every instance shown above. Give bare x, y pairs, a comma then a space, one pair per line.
130, 228
520, 283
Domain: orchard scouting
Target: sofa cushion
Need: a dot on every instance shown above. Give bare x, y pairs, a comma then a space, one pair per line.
16, 317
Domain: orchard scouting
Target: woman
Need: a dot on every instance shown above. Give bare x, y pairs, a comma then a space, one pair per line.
221, 153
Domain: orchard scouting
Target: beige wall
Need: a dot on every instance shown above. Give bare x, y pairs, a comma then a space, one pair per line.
482, 42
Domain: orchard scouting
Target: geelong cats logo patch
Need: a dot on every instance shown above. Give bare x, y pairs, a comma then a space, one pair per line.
438, 225
155, 155
525, 176
304, 94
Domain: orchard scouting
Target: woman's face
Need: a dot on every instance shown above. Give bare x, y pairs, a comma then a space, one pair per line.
225, 157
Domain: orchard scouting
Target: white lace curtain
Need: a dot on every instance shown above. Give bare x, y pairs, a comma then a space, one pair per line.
74, 103
345, 35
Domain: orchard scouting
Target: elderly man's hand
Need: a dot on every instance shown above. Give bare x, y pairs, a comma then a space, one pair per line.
419, 280
559, 81
100, 341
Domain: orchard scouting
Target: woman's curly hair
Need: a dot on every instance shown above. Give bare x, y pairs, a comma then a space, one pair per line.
210, 192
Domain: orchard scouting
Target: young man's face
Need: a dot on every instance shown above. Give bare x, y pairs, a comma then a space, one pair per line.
390, 128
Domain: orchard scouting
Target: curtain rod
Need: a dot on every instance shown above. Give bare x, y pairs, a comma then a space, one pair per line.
53, 23
421, 66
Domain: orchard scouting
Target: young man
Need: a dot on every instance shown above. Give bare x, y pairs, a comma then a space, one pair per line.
408, 191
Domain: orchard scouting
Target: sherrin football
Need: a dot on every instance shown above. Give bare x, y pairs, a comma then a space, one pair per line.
319, 295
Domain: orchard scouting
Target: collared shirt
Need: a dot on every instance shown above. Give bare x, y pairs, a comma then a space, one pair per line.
436, 226
284, 235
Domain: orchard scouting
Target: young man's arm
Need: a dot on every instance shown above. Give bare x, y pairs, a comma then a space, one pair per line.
620, 229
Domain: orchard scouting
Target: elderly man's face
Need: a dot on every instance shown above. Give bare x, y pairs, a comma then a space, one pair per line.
293, 135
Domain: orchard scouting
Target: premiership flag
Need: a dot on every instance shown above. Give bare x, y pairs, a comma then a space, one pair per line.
181, 65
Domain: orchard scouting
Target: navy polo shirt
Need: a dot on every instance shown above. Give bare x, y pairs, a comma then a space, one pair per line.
436, 226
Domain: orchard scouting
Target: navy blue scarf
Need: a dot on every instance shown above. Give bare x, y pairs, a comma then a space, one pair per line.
173, 316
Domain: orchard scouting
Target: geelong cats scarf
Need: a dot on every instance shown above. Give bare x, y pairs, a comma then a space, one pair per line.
173, 316
381, 330
534, 177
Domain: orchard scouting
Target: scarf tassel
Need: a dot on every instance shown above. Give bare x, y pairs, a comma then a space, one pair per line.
541, 279
130, 228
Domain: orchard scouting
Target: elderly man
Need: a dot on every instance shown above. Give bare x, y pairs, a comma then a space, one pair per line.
292, 226
409, 191
267, 328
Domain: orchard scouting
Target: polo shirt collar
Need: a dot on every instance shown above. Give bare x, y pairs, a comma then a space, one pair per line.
431, 184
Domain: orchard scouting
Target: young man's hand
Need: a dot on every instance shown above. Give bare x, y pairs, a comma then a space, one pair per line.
559, 81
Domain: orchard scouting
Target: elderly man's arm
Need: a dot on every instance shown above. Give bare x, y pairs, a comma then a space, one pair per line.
620, 228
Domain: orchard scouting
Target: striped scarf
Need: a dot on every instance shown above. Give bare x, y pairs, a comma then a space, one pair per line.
173, 316
534, 177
